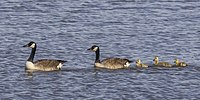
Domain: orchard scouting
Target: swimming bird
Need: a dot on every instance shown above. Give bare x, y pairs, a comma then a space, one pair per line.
140, 64
109, 63
179, 64
161, 64
43, 64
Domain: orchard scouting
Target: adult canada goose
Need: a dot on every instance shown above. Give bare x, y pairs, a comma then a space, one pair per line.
161, 64
42, 65
109, 63
179, 64
140, 64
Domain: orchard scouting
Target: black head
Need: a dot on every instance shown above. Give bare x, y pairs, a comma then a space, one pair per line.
94, 48
30, 44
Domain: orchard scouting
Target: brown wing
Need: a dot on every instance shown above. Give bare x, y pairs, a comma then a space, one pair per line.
115, 63
48, 65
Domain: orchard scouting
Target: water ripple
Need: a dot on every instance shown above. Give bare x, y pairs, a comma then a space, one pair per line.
122, 28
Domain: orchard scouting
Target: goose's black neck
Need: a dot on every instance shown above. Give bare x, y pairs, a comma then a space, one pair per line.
31, 57
97, 60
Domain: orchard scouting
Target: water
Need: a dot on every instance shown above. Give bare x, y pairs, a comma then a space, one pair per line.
64, 29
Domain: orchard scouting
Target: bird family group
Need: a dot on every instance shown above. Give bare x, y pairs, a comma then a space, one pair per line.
108, 63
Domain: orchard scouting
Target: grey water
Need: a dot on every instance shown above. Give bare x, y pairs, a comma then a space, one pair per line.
65, 29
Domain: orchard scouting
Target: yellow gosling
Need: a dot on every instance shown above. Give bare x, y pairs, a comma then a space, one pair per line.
139, 64
179, 64
161, 64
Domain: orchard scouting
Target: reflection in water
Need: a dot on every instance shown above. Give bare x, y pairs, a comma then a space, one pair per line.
29, 74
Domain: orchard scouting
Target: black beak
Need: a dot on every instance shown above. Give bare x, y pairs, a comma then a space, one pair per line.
25, 45
154, 60
89, 49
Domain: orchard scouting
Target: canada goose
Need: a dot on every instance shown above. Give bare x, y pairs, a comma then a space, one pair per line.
179, 64
140, 64
109, 63
161, 64
42, 65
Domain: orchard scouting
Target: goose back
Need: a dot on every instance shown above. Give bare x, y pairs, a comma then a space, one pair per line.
141, 65
163, 64
114, 63
181, 64
48, 65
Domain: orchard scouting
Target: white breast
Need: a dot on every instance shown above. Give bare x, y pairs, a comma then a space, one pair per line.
99, 65
30, 65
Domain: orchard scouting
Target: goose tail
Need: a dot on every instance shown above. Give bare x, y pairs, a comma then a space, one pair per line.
62, 61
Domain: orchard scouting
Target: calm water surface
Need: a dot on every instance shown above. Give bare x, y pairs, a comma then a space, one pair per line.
134, 29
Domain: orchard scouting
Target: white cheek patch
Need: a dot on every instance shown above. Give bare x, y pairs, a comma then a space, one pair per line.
33, 45
95, 49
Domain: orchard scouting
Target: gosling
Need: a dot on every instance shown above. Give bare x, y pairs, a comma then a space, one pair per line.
139, 64
161, 64
179, 64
